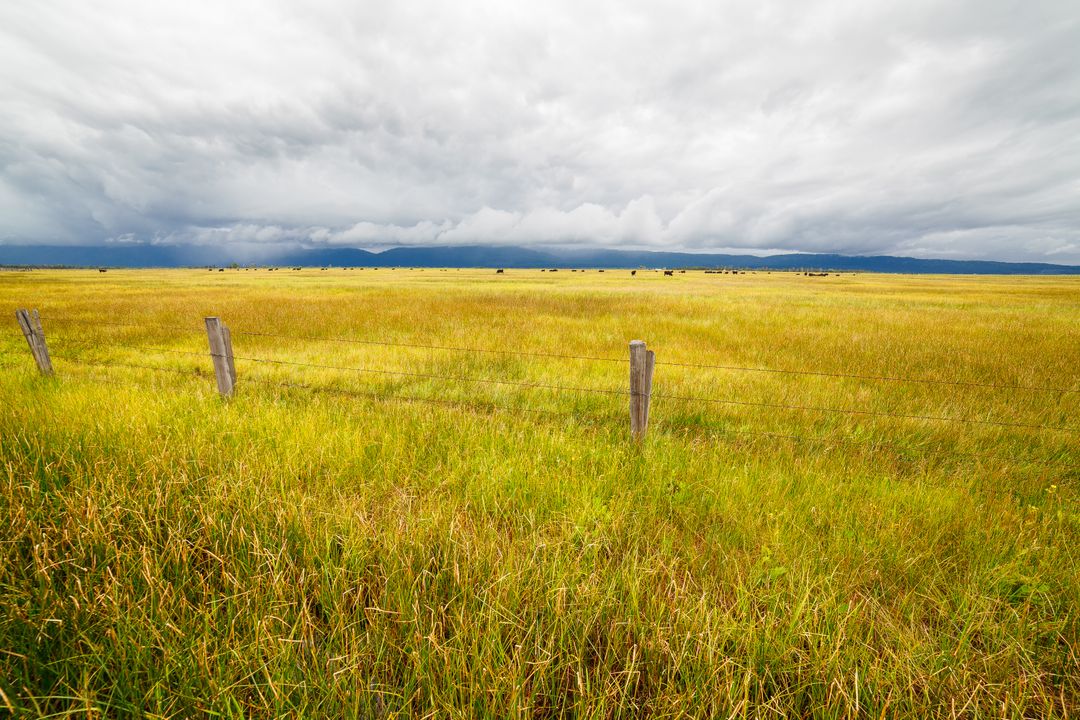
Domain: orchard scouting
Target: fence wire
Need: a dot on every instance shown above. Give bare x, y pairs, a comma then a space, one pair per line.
621, 392
693, 430
559, 388
609, 359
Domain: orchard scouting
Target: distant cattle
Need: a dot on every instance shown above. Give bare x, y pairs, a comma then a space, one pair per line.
669, 272
499, 271
633, 272
102, 270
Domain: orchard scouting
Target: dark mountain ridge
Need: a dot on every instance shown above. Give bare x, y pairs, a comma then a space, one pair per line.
167, 256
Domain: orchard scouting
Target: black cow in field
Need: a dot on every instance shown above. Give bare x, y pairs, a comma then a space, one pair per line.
633, 272
669, 272
499, 271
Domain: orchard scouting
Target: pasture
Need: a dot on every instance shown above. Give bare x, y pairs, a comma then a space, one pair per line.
423, 499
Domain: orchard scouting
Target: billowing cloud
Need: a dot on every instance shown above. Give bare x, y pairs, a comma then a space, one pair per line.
912, 128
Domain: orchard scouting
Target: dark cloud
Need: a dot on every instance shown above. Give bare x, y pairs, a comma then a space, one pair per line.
918, 128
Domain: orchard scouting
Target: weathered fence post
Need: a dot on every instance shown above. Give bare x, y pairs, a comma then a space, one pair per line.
641, 372
30, 322
222, 355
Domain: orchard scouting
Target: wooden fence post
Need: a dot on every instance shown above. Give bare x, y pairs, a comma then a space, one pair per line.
222, 355
642, 362
30, 322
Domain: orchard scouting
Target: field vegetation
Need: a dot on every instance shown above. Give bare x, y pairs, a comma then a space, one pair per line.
415, 543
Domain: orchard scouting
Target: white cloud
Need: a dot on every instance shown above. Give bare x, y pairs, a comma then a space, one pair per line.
948, 130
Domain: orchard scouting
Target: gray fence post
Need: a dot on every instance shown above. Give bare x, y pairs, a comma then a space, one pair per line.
30, 322
221, 353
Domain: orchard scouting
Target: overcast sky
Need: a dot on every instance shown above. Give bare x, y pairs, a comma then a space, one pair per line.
945, 129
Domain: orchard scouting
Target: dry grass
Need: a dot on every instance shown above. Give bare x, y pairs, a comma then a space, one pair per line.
292, 552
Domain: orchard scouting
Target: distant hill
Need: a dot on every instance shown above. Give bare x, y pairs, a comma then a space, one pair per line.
501, 256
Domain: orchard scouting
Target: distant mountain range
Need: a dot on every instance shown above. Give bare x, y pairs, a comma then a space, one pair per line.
166, 256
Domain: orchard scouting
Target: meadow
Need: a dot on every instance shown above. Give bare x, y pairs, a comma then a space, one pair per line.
459, 524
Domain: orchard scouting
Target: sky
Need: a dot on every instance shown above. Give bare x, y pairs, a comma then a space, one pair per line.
928, 129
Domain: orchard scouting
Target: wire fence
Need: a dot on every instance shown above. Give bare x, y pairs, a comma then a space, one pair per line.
601, 419
609, 359
594, 390
688, 426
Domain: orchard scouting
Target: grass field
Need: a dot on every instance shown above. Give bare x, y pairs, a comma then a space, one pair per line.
335, 543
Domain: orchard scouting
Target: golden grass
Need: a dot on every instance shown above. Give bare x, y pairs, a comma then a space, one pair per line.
411, 546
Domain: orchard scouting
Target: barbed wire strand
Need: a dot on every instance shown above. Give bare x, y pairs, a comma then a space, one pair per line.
882, 378
599, 358
627, 393
97, 344
346, 391
873, 445
422, 346
194, 372
111, 323
491, 407
869, 413
436, 401
680, 398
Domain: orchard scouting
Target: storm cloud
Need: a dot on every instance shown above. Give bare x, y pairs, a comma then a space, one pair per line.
918, 128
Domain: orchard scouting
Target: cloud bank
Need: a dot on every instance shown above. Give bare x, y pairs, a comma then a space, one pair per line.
906, 128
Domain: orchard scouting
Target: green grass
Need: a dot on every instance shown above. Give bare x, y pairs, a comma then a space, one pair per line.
293, 552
